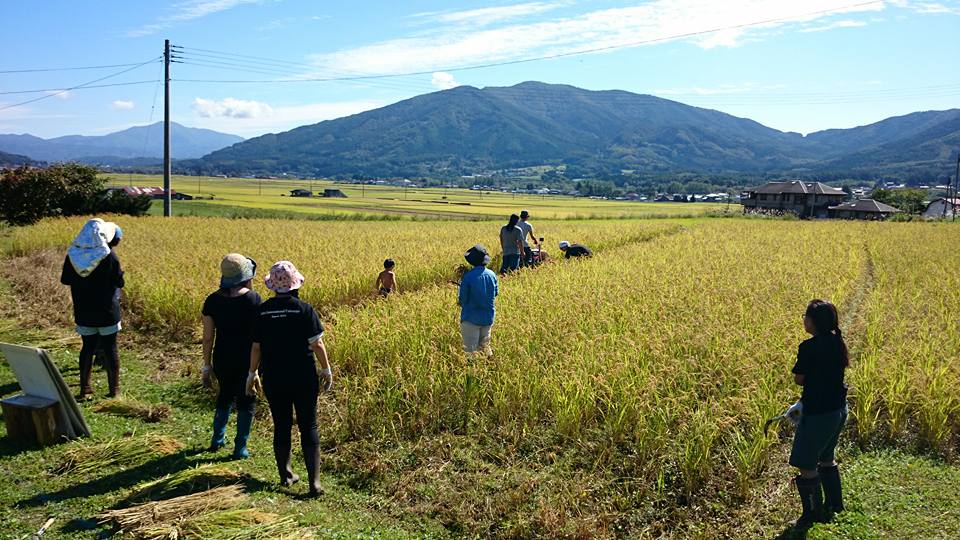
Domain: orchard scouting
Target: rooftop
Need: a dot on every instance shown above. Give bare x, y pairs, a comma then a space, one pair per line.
796, 186
865, 205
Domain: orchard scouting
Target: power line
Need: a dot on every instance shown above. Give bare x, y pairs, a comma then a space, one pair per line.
83, 88
79, 86
546, 57
41, 70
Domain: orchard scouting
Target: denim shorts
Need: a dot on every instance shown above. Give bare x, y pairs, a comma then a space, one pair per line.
816, 438
98, 330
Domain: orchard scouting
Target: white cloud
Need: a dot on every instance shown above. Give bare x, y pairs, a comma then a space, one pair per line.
187, 11
122, 104
231, 108
834, 25
281, 118
60, 94
489, 15
443, 80
448, 45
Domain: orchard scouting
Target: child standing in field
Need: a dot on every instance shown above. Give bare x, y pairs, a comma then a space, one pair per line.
478, 290
387, 280
821, 362
92, 270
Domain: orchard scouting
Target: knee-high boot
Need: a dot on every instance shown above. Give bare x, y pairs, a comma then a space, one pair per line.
832, 492
311, 458
220, 418
811, 500
281, 452
113, 380
86, 369
244, 423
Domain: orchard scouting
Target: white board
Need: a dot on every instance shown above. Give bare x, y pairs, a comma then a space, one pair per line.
39, 377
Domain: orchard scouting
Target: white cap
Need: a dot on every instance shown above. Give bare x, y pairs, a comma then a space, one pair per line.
564, 244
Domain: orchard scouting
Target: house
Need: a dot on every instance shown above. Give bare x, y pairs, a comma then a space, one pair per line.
301, 193
868, 209
152, 192
334, 193
942, 208
806, 199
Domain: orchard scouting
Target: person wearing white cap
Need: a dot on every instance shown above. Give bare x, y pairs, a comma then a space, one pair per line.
92, 271
574, 250
287, 334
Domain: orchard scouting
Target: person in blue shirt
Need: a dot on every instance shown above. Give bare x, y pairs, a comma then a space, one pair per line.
478, 289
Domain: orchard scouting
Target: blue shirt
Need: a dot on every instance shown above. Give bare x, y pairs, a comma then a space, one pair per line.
478, 288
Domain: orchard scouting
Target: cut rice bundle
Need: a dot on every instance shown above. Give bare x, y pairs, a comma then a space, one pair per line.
131, 408
84, 457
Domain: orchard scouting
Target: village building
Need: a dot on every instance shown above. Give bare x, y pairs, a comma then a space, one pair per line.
301, 193
867, 209
942, 208
806, 199
334, 193
152, 192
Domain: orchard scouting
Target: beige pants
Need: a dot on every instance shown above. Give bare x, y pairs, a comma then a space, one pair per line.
475, 338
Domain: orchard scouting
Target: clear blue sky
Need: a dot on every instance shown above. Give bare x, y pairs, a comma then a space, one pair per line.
800, 71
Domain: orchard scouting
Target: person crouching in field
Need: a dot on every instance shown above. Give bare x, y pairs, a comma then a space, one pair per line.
821, 361
287, 334
478, 289
387, 280
92, 270
228, 316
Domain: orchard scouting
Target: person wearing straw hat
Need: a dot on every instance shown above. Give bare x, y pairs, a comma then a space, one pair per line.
92, 271
478, 290
228, 316
287, 335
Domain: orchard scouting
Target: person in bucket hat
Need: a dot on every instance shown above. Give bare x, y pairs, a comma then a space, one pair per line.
287, 335
92, 271
228, 316
478, 289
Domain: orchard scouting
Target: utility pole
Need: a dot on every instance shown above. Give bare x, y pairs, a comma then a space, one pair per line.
167, 199
952, 191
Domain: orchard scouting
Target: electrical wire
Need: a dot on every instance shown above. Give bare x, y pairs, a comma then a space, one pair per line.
84, 88
546, 57
41, 70
79, 86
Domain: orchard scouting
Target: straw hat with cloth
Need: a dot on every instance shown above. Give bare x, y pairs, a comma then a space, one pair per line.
92, 245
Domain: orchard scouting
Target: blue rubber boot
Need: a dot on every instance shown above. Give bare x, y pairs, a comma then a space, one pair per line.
220, 419
244, 423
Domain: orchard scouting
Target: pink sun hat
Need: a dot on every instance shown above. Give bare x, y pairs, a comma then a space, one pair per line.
284, 277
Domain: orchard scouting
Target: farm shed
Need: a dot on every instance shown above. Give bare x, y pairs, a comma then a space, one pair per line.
941, 208
806, 199
301, 193
868, 209
334, 193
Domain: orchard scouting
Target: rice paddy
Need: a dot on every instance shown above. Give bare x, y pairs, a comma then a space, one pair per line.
625, 394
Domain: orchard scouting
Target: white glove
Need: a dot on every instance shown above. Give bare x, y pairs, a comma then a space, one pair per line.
326, 375
793, 413
253, 383
205, 371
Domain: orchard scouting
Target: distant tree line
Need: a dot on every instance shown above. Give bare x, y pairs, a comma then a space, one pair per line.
28, 194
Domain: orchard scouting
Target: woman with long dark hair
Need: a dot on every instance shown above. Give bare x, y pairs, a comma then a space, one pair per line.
821, 362
228, 316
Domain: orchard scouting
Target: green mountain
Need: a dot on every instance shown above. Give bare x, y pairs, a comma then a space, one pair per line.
135, 142
14, 160
467, 130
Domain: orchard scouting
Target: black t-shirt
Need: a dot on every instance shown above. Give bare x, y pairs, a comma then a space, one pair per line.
233, 318
283, 328
820, 361
576, 250
96, 298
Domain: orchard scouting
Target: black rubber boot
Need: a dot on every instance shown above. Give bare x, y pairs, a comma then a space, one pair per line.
811, 498
113, 380
311, 458
86, 370
282, 454
832, 492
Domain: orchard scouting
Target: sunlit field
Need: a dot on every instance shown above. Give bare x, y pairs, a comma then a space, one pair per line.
223, 196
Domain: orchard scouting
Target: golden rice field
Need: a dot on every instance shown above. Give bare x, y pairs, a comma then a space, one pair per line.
651, 366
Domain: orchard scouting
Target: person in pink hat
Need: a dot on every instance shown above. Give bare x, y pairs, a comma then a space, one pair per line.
287, 335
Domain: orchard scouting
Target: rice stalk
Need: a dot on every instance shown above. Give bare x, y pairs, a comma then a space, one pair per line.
199, 478
84, 456
171, 510
131, 408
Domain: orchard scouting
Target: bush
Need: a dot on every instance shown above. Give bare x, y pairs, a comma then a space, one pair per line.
28, 195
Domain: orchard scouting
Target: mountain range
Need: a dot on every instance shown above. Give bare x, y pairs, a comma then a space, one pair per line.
466, 130
135, 142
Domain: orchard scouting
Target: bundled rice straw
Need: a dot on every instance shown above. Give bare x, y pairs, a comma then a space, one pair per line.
178, 508
83, 457
199, 478
245, 524
131, 408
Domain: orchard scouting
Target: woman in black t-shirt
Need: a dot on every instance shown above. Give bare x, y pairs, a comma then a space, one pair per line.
227, 333
821, 362
287, 336
92, 270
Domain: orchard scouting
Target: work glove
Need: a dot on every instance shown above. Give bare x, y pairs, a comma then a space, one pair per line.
326, 377
794, 413
205, 375
253, 383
